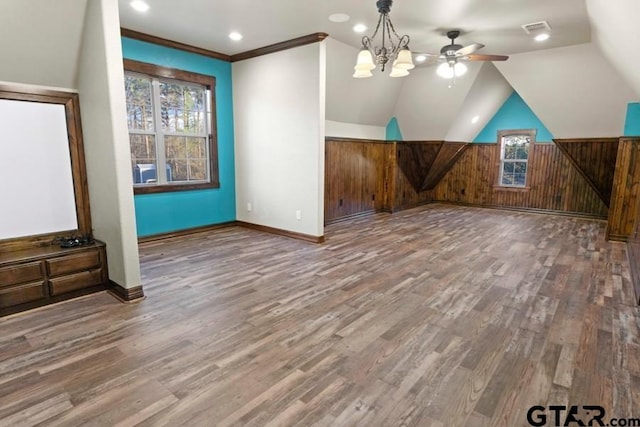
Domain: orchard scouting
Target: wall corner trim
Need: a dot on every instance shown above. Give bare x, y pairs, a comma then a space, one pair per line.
125, 32
127, 295
280, 232
277, 47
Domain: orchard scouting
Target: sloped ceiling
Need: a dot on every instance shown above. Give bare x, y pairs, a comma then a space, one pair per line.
574, 90
615, 29
489, 91
367, 101
427, 107
40, 41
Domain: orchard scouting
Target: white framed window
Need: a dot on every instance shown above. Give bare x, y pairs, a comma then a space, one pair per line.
516, 149
170, 116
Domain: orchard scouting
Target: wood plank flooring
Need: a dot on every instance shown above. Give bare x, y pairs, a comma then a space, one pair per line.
436, 316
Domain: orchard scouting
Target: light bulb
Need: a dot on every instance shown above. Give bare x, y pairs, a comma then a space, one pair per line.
445, 70
448, 70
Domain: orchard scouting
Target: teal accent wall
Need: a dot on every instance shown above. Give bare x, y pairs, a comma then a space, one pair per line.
168, 212
514, 114
393, 130
632, 122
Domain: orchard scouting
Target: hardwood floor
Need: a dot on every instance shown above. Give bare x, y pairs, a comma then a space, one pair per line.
436, 316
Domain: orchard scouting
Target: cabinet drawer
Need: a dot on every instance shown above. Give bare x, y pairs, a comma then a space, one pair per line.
19, 294
72, 282
73, 263
21, 273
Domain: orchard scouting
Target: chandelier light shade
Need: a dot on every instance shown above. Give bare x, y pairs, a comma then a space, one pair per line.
364, 65
398, 72
362, 74
392, 48
404, 60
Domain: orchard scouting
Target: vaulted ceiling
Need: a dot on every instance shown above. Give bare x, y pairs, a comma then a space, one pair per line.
40, 41
577, 83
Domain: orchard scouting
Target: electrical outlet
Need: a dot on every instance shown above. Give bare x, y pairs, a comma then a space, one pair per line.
249, 207
298, 215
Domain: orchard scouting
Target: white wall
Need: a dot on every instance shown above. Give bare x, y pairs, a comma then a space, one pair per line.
573, 90
354, 130
102, 104
279, 118
367, 101
40, 41
489, 91
426, 107
615, 29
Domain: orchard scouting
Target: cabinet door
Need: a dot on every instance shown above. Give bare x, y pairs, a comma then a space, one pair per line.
19, 294
21, 273
72, 282
72, 263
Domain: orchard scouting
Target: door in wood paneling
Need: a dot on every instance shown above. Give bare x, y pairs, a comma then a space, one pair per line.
626, 186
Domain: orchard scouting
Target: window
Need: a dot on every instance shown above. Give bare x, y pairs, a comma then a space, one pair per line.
516, 148
171, 120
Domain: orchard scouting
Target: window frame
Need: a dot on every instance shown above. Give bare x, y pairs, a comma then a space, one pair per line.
531, 133
186, 77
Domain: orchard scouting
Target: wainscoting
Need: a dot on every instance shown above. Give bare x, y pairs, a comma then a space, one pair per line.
626, 190
356, 177
633, 251
626, 203
554, 183
364, 176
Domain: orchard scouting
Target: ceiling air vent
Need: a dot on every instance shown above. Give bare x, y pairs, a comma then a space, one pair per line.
536, 27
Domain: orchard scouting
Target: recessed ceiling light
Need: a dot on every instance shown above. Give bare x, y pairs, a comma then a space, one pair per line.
360, 28
421, 58
339, 17
475, 119
139, 5
235, 36
541, 37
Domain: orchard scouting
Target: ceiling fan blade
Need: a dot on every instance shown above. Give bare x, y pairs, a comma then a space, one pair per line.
429, 58
467, 50
478, 57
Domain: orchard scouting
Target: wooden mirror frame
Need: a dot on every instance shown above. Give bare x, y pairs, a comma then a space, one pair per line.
78, 168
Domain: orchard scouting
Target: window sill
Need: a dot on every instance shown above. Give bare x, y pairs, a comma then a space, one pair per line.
516, 189
171, 188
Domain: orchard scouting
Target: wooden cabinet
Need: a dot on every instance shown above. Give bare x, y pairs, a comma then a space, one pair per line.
39, 276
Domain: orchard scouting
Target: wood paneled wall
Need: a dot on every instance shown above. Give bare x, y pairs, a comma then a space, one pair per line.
626, 186
415, 159
595, 160
554, 184
419, 166
412, 162
633, 250
356, 174
365, 176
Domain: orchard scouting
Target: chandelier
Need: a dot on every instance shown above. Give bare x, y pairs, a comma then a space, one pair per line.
391, 48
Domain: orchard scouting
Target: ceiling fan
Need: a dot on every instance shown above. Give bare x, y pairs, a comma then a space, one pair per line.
453, 55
